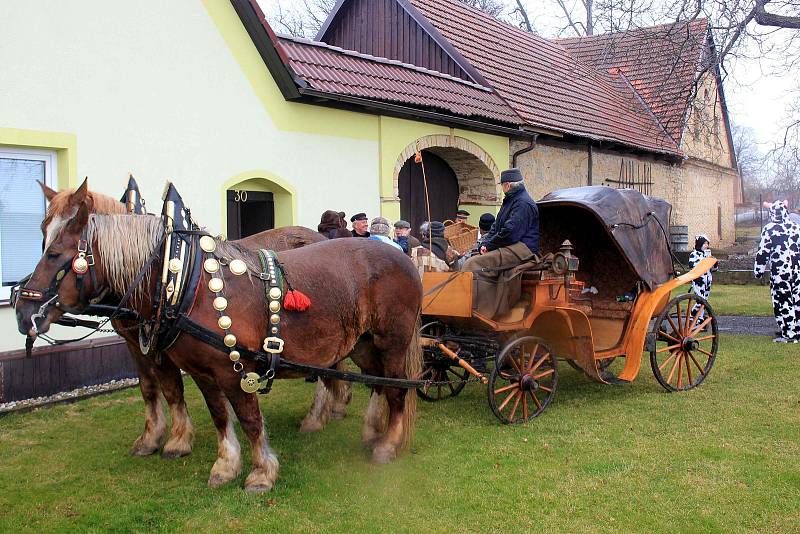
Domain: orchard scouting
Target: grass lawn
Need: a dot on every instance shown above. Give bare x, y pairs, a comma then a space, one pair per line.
721, 458
737, 300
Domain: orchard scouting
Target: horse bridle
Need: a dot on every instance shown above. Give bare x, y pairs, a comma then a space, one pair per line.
81, 263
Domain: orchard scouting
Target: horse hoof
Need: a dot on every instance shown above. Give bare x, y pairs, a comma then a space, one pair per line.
143, 450
254, 489
311, 425
383, 455
175, 452
215, 480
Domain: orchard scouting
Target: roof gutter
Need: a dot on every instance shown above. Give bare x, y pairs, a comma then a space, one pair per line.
385, 108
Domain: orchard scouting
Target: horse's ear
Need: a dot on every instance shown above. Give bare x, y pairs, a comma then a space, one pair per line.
49, 194
80, 194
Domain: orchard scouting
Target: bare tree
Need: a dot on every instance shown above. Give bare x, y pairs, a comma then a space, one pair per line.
750, 161
495, 8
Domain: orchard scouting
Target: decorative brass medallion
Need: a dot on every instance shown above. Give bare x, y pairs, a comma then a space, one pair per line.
249, 383
224, 322
274, 306
215, 285
207, 243
275, 293
220, 303
175, 265
237, 267
229, 340
80, 265
275, 318
234, 356
211, 265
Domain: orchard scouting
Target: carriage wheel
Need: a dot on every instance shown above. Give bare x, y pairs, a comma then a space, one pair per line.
439, 368
523, 382
686, 340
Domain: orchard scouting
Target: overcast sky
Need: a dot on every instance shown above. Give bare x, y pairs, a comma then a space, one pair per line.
755, 99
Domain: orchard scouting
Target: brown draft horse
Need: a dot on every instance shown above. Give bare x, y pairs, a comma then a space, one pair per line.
165, 377
365, 306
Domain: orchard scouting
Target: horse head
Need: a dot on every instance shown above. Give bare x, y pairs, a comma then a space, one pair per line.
58, 284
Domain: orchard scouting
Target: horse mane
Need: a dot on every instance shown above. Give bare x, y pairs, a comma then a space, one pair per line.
124, 243
60, 212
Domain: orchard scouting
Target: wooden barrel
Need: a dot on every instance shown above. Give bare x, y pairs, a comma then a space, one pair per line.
679, 238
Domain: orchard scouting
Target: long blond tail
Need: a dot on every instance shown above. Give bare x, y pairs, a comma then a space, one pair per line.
413, 368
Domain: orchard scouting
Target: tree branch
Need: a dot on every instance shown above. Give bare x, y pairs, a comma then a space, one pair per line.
524, 14
764, 18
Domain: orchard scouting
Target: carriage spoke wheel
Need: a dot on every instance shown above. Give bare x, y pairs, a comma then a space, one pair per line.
686, 340
439, 368
523, 382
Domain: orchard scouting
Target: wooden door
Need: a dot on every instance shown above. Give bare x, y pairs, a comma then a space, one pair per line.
249, 212
442, 191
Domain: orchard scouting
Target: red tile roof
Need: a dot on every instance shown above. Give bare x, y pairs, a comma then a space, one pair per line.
545, 83
660, 62
333, 70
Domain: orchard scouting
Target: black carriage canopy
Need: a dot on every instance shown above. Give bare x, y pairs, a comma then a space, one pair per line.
612, 231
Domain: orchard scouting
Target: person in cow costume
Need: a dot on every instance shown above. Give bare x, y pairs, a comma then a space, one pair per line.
780, 248
702, 284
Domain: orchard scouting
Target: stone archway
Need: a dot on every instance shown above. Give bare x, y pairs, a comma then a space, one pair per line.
476, 171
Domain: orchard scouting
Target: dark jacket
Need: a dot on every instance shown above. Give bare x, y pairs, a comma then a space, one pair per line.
518, 220
407, 242
354, 234
438, 246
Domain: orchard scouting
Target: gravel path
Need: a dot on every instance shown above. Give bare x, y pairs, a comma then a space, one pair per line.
67, 396
756, 326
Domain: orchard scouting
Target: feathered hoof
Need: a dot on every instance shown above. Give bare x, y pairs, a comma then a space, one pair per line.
311, 424
174, 451
261, 480
383, 454
141, 448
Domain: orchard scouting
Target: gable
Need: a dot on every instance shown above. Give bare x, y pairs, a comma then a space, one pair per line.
388, 29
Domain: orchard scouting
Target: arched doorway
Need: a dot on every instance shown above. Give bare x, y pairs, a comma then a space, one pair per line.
443, 190
253, 203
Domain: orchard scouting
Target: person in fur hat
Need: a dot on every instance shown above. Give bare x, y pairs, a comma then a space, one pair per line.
332, 225
702, 285
780, 248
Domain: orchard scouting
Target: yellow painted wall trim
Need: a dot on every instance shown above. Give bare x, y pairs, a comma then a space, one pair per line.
285, 115
65, 145
284, 195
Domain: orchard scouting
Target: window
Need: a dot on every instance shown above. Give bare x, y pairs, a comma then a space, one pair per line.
22, 209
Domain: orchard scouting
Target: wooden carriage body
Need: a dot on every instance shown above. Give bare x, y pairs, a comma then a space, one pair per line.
622, 250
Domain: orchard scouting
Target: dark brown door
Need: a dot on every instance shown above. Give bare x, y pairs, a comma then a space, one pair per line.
442, 191
249, 212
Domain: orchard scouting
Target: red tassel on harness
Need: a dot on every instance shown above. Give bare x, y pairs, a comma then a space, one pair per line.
296, 301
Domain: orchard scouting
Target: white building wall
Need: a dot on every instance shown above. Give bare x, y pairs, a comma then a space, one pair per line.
153, 88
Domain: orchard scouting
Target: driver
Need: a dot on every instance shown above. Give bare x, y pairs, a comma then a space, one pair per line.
514, 235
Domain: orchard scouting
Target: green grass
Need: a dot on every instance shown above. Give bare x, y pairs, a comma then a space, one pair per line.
633, 458
737, 299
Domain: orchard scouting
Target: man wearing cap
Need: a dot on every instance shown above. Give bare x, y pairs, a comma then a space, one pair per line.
379, 231
513, 237
485, 224
360, 225
462, 216
403, 237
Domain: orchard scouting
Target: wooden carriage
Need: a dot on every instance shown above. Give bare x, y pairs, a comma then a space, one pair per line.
601, 298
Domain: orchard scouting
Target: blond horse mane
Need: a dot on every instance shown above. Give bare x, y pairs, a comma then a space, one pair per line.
124, 243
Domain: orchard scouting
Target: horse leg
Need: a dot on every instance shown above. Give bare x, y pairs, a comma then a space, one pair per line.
330, 402
400, 358
366, 358
229, 461
265, 463
182, 435
154, 423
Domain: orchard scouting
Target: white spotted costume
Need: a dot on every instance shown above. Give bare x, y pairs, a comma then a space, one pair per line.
780, 247
701, 285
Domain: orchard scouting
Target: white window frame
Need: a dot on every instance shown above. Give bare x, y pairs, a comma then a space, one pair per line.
50, 159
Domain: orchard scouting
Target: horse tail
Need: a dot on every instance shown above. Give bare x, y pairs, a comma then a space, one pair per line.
413, 370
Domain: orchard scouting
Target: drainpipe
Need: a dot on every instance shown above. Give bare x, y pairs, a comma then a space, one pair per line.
528, 148
589, 166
